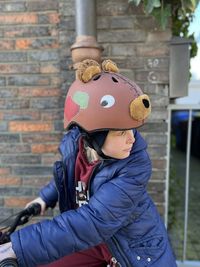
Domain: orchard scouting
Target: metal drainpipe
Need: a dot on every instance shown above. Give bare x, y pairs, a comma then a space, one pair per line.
86, 45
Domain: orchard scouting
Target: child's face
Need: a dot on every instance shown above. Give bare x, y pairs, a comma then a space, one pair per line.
118, 144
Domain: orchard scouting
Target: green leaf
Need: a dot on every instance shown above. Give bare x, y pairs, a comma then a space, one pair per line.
162, 15
135, 2
150, 5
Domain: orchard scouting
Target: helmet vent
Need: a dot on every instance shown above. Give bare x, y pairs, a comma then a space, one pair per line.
96, 77
114, 80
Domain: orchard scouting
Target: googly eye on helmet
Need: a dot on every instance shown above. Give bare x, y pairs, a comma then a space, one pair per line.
102, 99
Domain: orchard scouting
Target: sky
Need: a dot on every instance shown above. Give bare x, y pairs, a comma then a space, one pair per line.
195, 28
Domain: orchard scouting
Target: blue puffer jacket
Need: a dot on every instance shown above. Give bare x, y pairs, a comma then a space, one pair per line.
120, 213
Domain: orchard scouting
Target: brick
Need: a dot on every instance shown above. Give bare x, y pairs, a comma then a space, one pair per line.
6, 45
8, 92
21, 159
157, 151
112, 8
23, 18
156, 186
36, 182
154, 50
5, 213
39, 92
159, 36
152, 76
10, 181
157, 89
34, 170
50, 68
157, 197
12, 7
67, 23
9, 138
14, 103
2, 81
148, 23
30, 80
53, 18
129, 62
159, 164
45, 137
4, 171
160, 127
17, 201
25, 44
46, 103
16, 68
11, 115
155, 138
159, 101
122, 22
53, 115
123, 49
43, 56
9, 148
16, 191
158, 175
12, 57
22, 126
42, 5
58, 125
3, 126
121, 36
157, 63
67, 8
29, 31
50, 159
44, 148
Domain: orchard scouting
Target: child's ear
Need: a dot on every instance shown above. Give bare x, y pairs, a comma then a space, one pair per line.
87, 69
109, 66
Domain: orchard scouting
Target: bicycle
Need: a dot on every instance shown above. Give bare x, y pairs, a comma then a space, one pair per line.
19, 218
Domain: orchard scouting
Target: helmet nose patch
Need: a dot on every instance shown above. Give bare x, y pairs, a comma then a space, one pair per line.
146, 103
140, 108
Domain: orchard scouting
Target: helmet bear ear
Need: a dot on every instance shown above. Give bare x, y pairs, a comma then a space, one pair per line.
109, 66
87, 69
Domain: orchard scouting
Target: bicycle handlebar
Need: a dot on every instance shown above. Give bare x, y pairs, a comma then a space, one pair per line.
20, 218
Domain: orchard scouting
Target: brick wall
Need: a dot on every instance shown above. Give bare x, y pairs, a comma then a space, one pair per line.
30, 98
35, 60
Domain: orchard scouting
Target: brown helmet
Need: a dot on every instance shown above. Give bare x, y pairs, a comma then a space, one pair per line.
101, 98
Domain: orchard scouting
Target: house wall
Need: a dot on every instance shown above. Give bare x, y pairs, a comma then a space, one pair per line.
35, 74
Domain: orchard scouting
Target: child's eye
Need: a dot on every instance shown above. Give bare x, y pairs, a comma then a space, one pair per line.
122, 133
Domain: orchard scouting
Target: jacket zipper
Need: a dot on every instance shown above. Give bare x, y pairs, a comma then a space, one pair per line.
121, 252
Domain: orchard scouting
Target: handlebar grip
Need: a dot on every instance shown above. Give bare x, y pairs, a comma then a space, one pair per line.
9, 262
34, 209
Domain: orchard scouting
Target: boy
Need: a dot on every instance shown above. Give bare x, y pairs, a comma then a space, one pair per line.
107, 216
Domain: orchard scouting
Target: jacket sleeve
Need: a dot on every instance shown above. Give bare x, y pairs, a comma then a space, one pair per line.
89, 225
49, 194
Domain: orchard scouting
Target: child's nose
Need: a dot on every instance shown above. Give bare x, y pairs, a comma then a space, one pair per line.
130, 137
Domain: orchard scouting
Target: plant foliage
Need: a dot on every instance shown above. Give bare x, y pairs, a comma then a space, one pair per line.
180, 12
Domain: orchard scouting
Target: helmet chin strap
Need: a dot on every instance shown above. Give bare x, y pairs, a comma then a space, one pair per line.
93, 144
